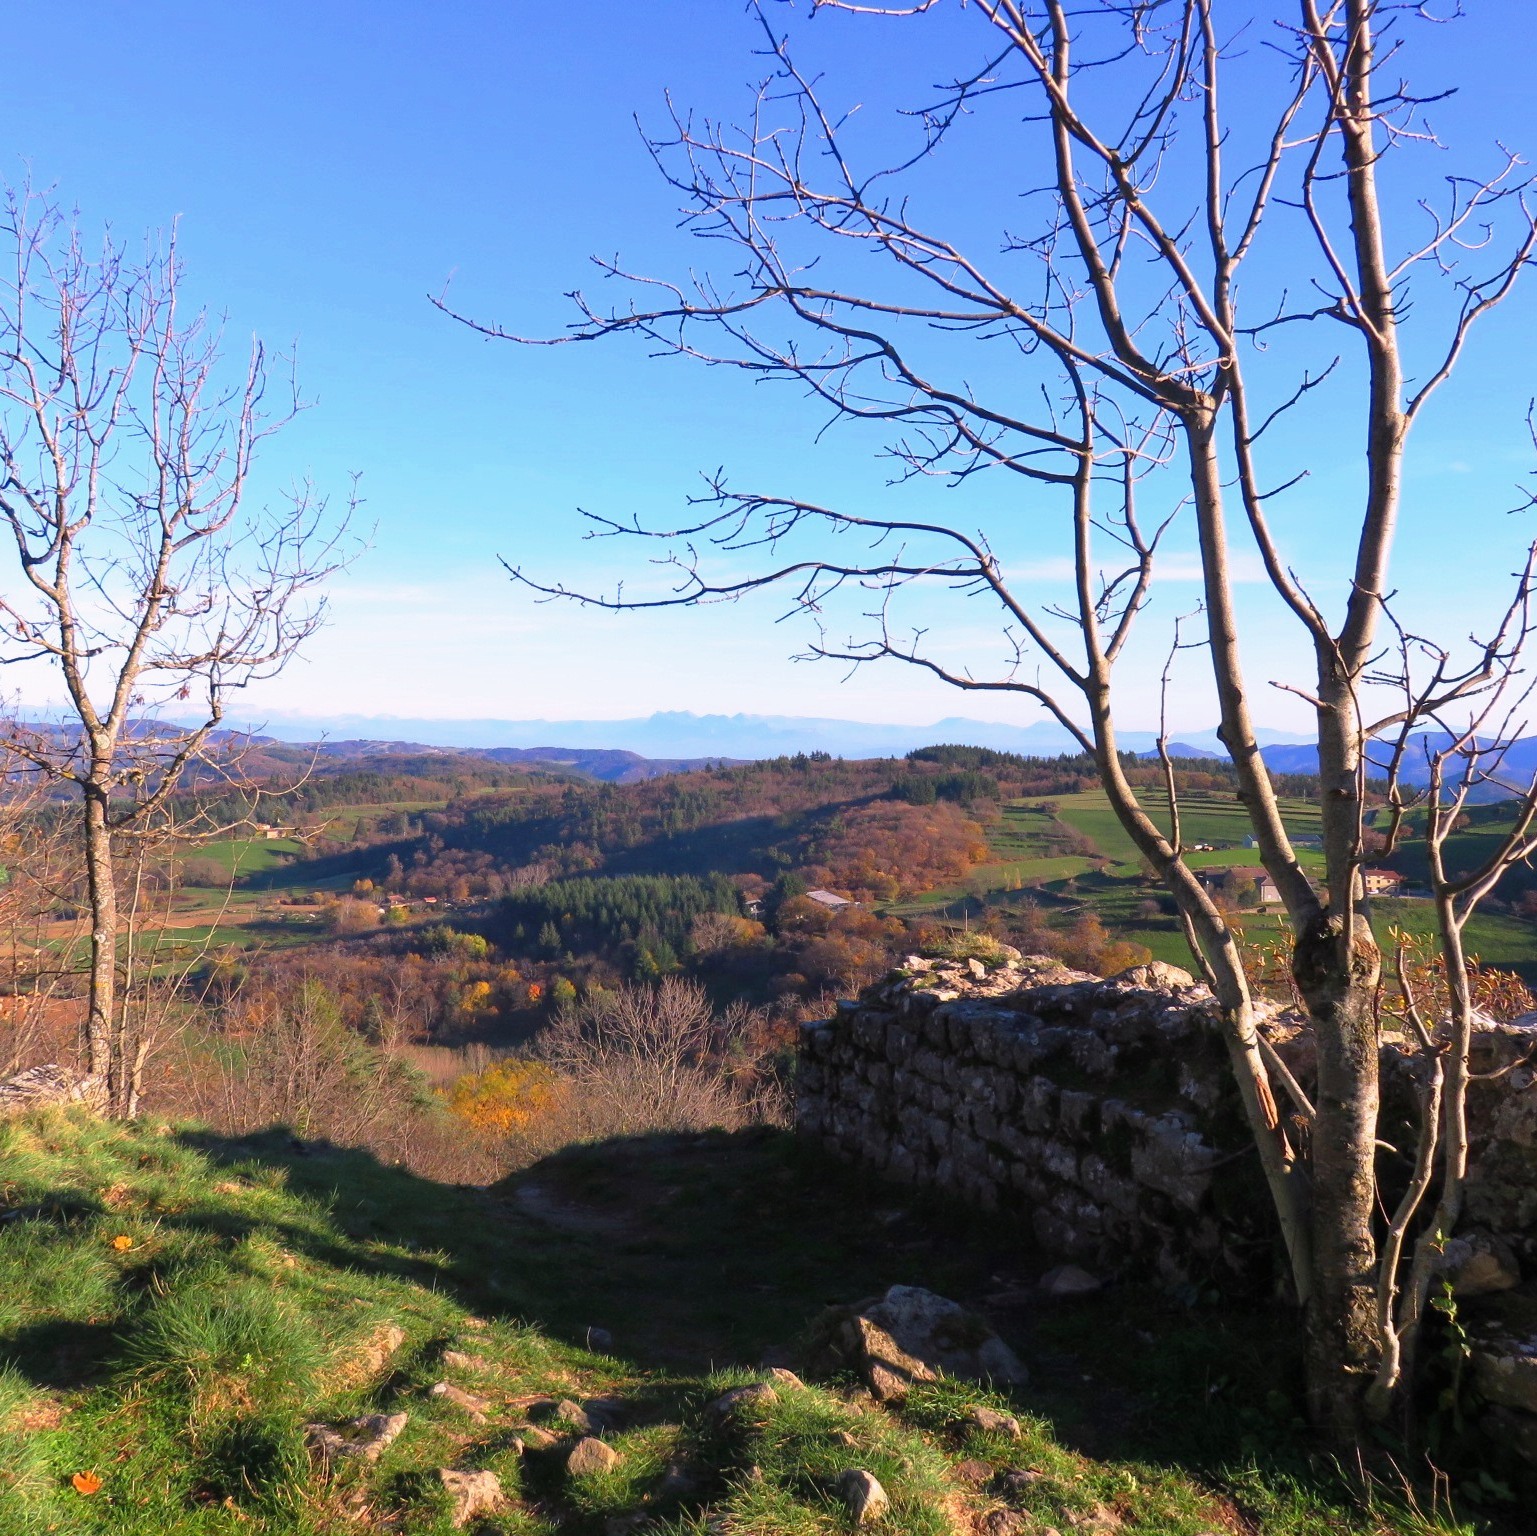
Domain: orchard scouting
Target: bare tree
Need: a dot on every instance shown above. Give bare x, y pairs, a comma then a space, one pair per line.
1114, 304
650, 1058
148, 586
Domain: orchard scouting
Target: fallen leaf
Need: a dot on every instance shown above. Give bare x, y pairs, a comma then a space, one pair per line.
85, 1482
122, 1242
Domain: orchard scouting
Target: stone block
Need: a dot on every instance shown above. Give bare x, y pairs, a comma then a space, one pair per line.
1078, 1114
1038, 1104
1174, 1160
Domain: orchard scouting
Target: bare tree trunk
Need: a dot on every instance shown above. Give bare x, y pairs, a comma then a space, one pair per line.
1337, 966
101, 890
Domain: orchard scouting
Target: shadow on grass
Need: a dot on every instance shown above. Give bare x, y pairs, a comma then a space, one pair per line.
61, 1354
694, 1252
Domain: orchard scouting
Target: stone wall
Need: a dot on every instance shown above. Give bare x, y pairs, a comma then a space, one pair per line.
1104, 1113
1099, 1111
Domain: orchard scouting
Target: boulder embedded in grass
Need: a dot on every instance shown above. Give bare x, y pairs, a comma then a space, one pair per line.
991, 1422
742, 1399
574, 1416
911, 1335
473, 1493
470, 1402
862, 1492
590, 1455
367, 1437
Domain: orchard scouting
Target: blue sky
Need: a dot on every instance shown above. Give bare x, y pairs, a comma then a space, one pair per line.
331, 164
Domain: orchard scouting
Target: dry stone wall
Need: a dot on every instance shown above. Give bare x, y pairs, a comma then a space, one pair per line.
1104, 1114
1099, 1111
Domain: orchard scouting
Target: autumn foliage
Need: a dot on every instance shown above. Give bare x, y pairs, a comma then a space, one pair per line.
504, 1098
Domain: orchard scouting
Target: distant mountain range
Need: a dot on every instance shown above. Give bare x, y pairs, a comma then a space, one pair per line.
622, 751
681, 735
614, 766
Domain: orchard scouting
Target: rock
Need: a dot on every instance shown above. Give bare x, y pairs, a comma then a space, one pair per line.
1069, 1280
599, 1340
1156, 975
678, 1482
944, 1336
574, 1416
1101, 1520
473, 1404
782, 1377
367, 1437
536, 1439
1516, 1431
589, 1456
1477, 1264
991, 1422
887, 1369
50, 1084
1004, 1522
473, 1494
1505, 1370
977, 970
369, 1358
1018, 1481
864, 1496
974, 1472
455, 1360
742, 1399
605, 1412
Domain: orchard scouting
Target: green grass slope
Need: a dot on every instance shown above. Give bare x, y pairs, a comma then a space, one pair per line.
175, 1309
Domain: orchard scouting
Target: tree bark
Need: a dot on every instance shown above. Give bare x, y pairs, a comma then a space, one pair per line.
1338, 976
101, 892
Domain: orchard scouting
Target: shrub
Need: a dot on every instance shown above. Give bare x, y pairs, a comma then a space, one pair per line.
642, 1059
505, 1097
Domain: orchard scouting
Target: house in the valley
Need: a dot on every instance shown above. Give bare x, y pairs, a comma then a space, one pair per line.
1227, 882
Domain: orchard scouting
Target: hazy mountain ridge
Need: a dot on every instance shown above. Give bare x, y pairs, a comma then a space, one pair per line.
682, 735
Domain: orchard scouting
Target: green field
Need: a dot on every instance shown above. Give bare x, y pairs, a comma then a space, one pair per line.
245, 855
1204, 818
1103, 873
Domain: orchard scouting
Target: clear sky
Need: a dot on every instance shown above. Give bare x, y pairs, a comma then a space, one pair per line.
332, 162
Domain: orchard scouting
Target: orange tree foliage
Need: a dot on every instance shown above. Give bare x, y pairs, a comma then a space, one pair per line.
889, 849
505, 1097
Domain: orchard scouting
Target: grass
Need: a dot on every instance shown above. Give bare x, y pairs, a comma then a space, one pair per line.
1204, 818
175, 1307
237, 856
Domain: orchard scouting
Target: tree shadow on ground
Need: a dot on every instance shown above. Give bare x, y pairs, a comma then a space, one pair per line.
692, 1252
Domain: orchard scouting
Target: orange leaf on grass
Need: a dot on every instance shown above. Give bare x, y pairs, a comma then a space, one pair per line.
122, 1243
85, 1482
